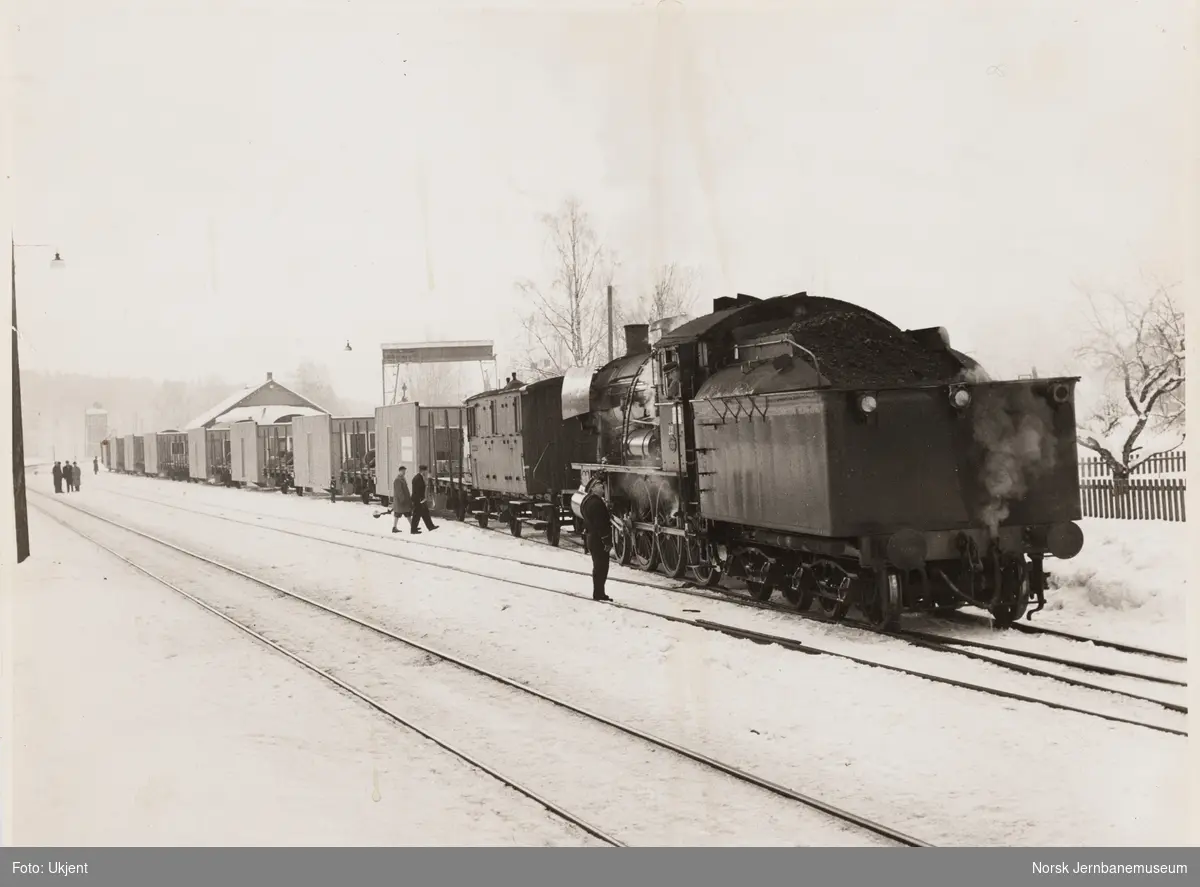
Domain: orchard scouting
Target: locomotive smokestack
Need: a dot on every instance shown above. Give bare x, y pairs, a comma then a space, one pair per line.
637, 338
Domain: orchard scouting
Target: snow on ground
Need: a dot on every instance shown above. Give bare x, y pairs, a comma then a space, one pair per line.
1129, 583
635, 791
140, 719
950, 766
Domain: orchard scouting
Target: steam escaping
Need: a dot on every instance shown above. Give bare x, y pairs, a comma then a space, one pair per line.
1015, 428
648, 495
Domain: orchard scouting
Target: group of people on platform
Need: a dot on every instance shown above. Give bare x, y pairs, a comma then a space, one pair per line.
67, 475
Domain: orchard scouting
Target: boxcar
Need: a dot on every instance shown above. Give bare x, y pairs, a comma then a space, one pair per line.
244, 467
106, 453
197, 450
135, 454
150, 451
119, 459
412, 435
312, 460
172, 454
521, 452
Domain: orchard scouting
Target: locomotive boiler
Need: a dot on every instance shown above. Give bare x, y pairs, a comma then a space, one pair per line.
808, 445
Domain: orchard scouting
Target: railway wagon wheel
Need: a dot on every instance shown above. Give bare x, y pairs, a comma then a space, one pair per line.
800, 589
835, 594
760, 589
482, 517
514, 522
1014, 593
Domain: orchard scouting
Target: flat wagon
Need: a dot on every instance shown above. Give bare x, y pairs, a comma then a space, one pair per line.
218, 454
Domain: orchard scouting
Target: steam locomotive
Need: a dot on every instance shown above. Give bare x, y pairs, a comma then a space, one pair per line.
801, 444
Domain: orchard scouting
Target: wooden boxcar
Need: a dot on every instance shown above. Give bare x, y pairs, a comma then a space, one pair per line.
119, 458
150, 451
244, 467
197, 451
521, 452
412, 435
312, 459
135, 454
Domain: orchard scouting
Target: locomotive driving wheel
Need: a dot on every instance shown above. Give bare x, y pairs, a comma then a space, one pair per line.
672, 553
645, 551
622, 542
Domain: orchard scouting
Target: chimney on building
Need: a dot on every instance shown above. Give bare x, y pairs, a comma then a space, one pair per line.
270, 377
637, 338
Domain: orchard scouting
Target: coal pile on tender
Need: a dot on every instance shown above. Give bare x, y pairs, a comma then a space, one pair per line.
859, 350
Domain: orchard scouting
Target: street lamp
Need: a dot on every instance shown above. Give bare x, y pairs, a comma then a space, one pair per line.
20, 507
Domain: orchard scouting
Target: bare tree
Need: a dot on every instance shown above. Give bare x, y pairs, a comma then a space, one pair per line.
312, 380
1138, 345
674, 292
567, 324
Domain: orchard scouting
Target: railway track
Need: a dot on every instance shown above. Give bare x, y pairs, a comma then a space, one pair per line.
726, 771
959, 646
731, 630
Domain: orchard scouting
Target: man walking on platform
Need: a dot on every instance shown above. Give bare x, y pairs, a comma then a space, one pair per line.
420, 507
58, 477
401, 499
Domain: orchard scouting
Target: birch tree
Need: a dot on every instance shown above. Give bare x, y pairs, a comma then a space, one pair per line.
566, 322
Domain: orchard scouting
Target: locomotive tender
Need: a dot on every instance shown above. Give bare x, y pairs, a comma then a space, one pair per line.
809, 445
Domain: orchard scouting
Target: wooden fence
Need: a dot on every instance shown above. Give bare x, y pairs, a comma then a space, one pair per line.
1150, 493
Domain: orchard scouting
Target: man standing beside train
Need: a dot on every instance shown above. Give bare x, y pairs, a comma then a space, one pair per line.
420, 508
597, 522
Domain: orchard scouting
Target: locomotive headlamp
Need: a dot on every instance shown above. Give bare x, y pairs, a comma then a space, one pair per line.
867, 403
961, 398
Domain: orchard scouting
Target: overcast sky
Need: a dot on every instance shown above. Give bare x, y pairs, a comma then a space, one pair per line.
239, 185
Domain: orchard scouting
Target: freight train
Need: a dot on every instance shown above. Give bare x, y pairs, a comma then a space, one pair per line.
803, 444
798, 443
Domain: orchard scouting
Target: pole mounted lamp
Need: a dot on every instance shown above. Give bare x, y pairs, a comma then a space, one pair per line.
20, 507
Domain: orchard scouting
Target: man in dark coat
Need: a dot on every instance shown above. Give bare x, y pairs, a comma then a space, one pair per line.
76, 475
420, 508
401, 499
95, 465
597, 522
58, 477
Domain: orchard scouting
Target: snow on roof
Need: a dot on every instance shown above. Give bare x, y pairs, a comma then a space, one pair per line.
266, 415
237, 397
